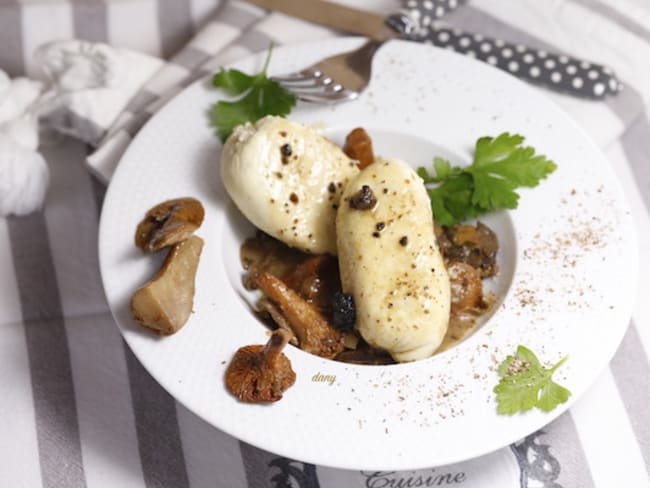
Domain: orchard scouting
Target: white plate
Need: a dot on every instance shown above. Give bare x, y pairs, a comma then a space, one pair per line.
567, 283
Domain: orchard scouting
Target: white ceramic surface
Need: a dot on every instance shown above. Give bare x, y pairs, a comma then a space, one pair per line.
566, 287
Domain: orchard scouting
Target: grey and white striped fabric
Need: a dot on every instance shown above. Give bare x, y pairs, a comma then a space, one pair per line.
78, 410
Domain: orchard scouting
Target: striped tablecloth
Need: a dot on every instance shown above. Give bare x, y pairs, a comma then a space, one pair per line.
76, 407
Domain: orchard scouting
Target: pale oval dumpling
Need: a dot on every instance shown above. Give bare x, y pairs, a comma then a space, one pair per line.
287, 179
390, 262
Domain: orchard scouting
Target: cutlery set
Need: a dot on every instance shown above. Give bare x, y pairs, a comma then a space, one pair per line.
345, 76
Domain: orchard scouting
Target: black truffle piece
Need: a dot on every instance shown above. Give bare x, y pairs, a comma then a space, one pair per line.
364, 199
344, 311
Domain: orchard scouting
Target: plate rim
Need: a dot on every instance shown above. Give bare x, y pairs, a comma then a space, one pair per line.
549, 417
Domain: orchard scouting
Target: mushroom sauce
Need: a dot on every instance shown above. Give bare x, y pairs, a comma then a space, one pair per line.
470, 256
302, 292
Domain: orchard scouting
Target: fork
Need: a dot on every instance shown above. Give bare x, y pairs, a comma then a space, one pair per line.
335, 79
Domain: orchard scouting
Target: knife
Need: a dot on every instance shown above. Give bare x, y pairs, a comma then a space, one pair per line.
417, 22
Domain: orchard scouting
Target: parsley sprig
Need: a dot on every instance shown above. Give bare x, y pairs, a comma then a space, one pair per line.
501, 164
525, 384
260, 96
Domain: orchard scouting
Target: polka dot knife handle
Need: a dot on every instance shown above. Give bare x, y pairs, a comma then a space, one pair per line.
558, 72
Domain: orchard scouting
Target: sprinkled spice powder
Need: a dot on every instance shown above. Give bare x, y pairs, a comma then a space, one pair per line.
517, 366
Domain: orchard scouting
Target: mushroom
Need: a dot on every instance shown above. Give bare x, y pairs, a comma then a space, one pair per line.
466, 287
168, 223
164, 304
261, 373
316, 279
358, 145
365, 355
314, 332
475, 245
268, 310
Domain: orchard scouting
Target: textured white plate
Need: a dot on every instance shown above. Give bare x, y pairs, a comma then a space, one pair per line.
567, 283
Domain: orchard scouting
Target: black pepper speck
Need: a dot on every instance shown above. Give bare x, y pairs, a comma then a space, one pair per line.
286, 151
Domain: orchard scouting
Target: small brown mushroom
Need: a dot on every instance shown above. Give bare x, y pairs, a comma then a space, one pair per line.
315, 334
269, 311
169, 223
264, 253
466, 287
258, 373
475, 245
358, 145
316, 279
164, 304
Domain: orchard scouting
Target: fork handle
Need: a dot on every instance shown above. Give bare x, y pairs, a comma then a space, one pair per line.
434, 9
559, 72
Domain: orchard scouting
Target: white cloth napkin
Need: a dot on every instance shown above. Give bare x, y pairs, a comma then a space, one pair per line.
24, 175
102, 95
89, 85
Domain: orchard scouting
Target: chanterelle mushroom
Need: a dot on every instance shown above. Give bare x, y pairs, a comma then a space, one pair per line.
315, 334
168, 223
165, 303
261, 373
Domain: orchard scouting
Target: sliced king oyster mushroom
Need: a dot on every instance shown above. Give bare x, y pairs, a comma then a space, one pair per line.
164, 304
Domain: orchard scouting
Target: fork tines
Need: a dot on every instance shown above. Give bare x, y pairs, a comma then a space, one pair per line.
312, 85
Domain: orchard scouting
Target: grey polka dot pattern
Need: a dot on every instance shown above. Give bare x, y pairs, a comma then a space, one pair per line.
558, 72
429, 10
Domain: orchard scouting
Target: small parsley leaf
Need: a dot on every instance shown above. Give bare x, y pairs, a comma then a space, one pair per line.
525, 384
233, 81
444, 169
501, 165
260, 96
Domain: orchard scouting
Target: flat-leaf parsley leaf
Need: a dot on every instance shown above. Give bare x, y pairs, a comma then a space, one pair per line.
260, 96
501, 164
525, 384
